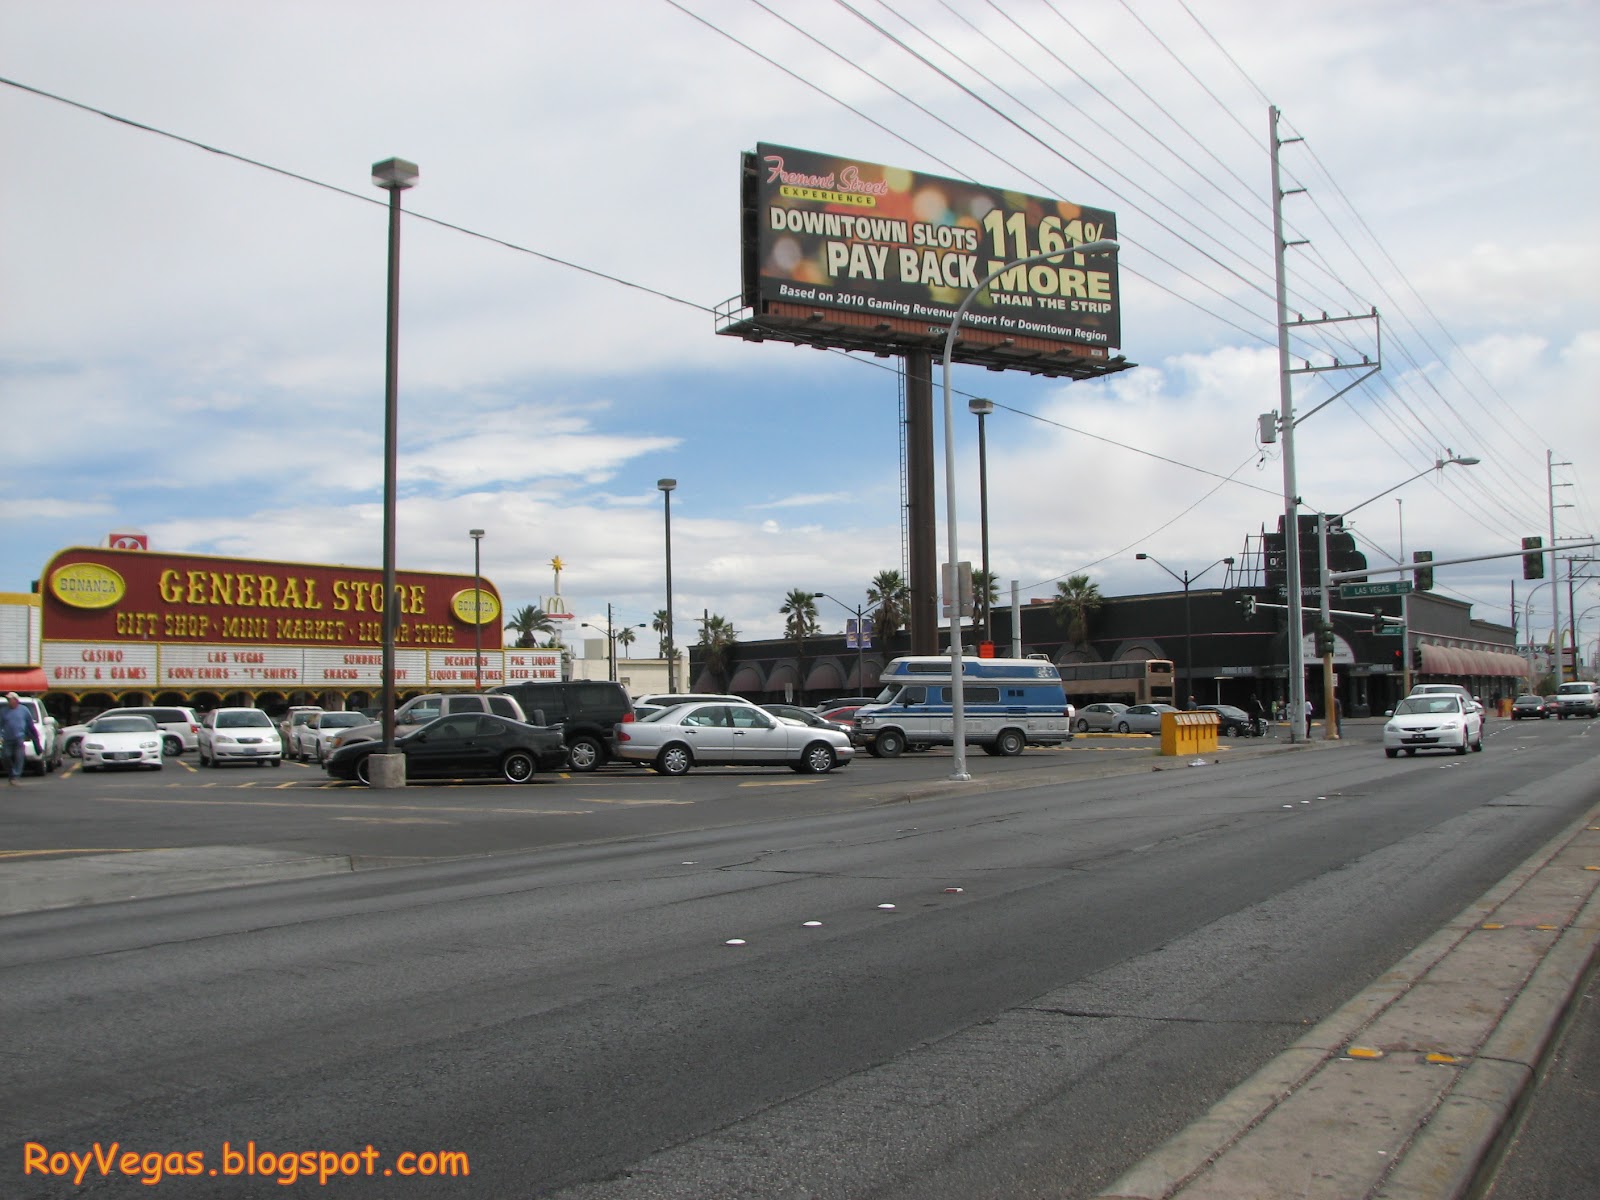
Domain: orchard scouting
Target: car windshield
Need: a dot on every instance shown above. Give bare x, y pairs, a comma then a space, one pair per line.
250, 719
341, 720
1574, 689
1413, 706
122, 725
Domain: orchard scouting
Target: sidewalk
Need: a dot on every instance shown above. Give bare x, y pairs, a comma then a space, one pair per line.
1402, 1093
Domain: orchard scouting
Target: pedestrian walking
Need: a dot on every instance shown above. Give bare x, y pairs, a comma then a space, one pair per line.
1309, 713
1257, 716
16, 730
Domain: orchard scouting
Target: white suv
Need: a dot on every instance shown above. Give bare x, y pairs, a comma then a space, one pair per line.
1578, 700
48, 757
239, 735
1448, 689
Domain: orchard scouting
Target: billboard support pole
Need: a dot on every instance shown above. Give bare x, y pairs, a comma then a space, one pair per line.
920, 518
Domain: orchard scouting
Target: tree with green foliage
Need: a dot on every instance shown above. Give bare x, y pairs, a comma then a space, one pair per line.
625, 638
528, 622
717, 640
891, 596
1075, 604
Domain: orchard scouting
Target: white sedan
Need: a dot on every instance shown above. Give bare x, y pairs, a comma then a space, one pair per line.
728, 735
313, 738
120, 742
1438, 721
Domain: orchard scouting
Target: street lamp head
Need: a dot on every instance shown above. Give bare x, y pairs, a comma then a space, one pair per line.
666, 485
1229, 561
1466, 462
395, 174
1141, 556
980, 407
474, 533
1099, 246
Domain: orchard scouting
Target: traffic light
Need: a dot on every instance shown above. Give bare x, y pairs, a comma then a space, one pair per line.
1247, 605
1324, 638
1423, 576
1416, 659
1399, 656
1533, 564
1377, 623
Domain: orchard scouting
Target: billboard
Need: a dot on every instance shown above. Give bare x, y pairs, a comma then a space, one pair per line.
135, 620
842, 252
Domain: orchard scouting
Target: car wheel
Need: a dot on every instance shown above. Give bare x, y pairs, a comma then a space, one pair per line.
74, 747
1477, 746
171, 745
277, 762
517, 767
1462, 749
818, 758
1390, 752
674, 760
1009, 743
363, 770
1083, 726
320, 758
585, 753
1411, 751
204, 760
1123, 727
889, 744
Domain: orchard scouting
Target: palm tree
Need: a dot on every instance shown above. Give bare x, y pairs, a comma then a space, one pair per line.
892, 596
625, 638
1076, 601
529, 621
985, 594
717, 639
658, 624
800, 605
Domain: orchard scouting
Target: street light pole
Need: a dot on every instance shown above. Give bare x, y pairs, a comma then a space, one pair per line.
958, 712
1188, 625
611, 640
477, 606
982, 408
394, 175
665, 486
1329, 721
861, 668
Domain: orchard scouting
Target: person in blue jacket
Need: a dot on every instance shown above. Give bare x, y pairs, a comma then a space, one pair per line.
16, 730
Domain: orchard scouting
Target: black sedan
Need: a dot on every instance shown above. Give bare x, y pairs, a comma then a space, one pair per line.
1529, 706
1231, 721
462, 745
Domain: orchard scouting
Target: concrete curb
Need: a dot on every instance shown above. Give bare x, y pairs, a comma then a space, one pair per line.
1451, 1055
105, 878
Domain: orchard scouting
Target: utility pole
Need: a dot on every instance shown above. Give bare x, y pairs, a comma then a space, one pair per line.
1555, 564
1291, 494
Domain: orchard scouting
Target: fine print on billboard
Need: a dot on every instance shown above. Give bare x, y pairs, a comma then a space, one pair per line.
847, 236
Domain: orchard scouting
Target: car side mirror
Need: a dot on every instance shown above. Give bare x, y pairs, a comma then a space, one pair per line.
538, 717
1388, 712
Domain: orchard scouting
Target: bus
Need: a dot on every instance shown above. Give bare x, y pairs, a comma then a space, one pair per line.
1135, 681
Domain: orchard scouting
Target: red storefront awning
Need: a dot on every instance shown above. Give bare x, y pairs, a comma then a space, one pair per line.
23, 679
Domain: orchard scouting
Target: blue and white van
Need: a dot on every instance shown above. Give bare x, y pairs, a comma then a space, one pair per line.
1008, 703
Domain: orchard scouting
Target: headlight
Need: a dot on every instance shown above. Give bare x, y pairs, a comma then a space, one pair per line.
148, 745
1391, 728
94, 746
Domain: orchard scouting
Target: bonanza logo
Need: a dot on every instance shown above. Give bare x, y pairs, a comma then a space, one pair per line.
485, 612
87, 585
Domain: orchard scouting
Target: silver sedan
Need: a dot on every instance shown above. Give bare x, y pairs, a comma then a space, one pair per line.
729, 735
1100, 717
1142, 718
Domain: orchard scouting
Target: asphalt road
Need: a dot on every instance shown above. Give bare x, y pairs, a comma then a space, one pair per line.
1120, 952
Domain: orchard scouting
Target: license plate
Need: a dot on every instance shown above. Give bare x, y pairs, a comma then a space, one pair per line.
1419, 737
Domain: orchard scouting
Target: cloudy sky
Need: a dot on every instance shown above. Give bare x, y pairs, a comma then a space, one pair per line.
191, 344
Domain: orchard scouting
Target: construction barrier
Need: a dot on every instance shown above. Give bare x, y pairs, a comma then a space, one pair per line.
1188, 733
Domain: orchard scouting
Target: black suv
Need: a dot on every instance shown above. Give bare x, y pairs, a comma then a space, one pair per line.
587, 710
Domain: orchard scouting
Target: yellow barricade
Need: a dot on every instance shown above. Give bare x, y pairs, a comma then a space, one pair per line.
1188, 733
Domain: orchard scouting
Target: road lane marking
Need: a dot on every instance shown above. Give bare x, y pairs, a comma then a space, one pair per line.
328, 804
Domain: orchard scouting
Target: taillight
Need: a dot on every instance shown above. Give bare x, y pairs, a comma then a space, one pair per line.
628, 716
622, 736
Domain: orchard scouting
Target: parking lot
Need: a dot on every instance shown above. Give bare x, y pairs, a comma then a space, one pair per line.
297, 808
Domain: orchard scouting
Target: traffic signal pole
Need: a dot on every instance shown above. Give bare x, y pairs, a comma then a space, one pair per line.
1330, 717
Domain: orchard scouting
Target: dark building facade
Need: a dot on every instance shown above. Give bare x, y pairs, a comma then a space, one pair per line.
1234, 656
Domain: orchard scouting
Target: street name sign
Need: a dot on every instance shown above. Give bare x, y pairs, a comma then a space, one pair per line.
1356, 591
